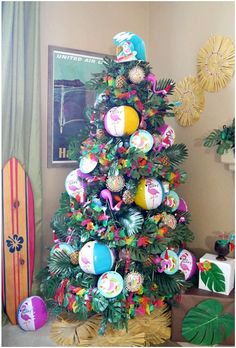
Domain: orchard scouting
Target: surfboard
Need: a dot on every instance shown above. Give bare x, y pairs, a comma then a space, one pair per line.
18, 237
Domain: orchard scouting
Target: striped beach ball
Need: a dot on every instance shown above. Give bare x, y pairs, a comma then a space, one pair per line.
32, 313
120, 121
96, 258
149, 194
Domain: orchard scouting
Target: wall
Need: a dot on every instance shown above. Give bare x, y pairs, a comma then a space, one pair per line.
86, 26
177, 31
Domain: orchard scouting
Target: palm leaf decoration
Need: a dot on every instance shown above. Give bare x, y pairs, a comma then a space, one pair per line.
59, 263
163, 83
206, 324
132, 220
214, 279
156, 325
142, 331
171, 284
213, 138
176, 153
68, 331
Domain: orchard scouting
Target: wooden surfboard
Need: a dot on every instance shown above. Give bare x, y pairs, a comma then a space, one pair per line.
18, 237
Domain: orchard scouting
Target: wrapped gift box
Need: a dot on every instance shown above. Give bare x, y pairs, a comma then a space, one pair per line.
189, 300
215, 275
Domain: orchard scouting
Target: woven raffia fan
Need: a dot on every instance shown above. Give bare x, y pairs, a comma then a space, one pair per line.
143, 331
190, 95
215, 63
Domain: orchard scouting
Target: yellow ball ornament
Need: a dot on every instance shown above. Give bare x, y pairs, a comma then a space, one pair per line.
120, 121
149, 194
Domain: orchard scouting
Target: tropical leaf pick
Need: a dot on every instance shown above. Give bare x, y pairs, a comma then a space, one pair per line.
214, 278
206, 324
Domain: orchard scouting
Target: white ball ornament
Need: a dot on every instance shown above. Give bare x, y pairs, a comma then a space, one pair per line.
136, 74
32, 313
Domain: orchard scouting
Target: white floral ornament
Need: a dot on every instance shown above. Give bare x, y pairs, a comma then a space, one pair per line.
133, 281
189, 97
215, 63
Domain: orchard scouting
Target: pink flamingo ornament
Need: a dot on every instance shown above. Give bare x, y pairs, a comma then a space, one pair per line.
152, 78
106, 194
153, 191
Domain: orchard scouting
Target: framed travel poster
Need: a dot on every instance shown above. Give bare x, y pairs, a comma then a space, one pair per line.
69, 70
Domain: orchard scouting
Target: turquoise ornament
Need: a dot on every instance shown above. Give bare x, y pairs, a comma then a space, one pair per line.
96, 258
110, 284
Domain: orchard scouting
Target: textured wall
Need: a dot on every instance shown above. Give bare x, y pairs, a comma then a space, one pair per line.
177, 31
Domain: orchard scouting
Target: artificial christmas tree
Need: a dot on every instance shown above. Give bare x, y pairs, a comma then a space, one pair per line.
121, 223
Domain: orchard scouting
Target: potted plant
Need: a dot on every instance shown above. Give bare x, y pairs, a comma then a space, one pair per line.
224, 140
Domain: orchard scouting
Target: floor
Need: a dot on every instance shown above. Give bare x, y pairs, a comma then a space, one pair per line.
14, 336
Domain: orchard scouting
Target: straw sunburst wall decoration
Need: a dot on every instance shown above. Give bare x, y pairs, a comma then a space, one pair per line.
190, 98
215, 63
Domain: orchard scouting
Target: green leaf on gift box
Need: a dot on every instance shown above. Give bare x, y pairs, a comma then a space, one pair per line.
206, 325
214, 278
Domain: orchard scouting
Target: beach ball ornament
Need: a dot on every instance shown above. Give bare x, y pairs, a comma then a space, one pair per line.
110, 284
121, 121
187, 263
141, 140
96, 258
88, 163
171, 200
167, 136
182, 205
32, 313
149, 194
129, 47
75, 186
169, 263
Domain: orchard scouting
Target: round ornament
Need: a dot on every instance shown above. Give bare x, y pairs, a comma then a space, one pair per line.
182, 205
167, 136
96, 258
32, 313
141, 140
169, 220
172, 200
75, 187
115, 183
121, 120
67, 248
88, 163
136, 74
187, 263
149, 194
171, 260
127, 197
133, 281
110, 284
